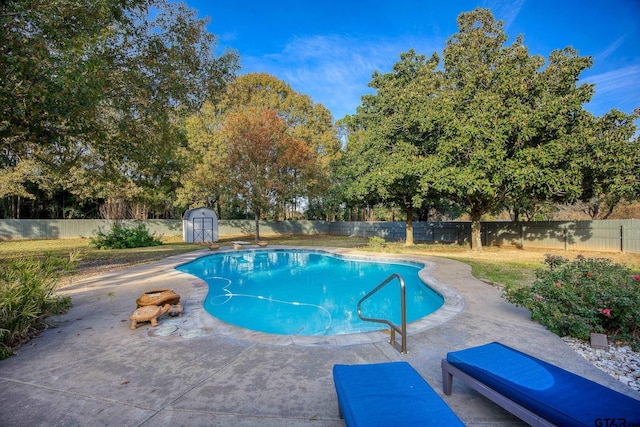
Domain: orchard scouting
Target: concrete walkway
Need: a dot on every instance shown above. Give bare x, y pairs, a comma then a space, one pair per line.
90, 369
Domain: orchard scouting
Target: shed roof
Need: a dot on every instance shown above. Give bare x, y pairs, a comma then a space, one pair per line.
199, 212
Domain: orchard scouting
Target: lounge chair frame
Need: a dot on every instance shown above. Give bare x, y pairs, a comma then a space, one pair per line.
448, 371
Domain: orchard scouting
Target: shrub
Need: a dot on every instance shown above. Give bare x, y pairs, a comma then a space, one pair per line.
27, 297
122, 237
377, 242
582, 296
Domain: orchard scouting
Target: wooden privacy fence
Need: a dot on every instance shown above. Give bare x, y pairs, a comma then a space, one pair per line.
604, 236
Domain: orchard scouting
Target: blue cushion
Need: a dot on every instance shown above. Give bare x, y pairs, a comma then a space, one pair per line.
557, 395
388, 394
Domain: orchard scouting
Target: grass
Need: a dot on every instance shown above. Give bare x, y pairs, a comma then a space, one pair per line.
504, 266
93, 261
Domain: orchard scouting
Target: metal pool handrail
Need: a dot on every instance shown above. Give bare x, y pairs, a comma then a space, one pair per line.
402, 330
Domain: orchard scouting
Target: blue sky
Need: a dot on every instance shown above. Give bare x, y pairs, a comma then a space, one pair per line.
329, 49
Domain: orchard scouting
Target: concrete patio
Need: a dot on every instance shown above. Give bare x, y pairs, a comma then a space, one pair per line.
90, 369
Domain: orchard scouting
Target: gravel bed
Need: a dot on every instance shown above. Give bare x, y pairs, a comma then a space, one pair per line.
620, 362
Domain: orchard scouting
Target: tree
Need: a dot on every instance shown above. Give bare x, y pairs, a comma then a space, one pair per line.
610, 164
207, 152
309, 121
202, 184
96, 87
383, 161
353, 169
265, 162
49, 79
502, 129
489, 128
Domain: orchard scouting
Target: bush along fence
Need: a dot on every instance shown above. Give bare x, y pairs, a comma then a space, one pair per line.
603, 236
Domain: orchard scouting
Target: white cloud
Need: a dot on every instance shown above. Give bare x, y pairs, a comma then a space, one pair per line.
334, 70
618, 89
617, 79
505, 10
610, 49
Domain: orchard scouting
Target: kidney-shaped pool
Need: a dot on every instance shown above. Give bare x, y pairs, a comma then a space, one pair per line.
302, 292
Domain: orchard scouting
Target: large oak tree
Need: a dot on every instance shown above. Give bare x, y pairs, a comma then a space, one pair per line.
92, 93
508, 125
309, 121
489, 126
207, 152
383, 158
265, 162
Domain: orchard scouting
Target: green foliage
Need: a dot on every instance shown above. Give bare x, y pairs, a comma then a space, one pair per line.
210, 155
266, 163
124, 237
582, 296
377, 242
27, 297
505, 122
610, 164
487, 128
384, 159
91, 89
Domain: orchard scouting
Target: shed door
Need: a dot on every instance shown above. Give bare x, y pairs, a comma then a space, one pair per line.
203, 229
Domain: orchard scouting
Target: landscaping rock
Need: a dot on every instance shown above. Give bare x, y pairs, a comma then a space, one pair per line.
621, 362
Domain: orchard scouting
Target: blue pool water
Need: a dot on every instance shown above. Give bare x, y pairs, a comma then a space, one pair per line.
297, 292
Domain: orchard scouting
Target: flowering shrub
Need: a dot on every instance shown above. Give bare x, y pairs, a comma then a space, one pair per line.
582, 296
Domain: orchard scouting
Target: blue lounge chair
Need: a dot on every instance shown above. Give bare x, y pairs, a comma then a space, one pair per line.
538, 392
389, 394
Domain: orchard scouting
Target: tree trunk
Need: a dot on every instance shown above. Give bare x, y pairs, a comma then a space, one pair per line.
409, 226
257, 214
476, 236
516, 215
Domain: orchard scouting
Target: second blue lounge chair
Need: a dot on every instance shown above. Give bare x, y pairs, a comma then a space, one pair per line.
538, 392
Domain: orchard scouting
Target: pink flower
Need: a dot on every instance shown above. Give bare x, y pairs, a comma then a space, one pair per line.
558, 285
636, 277
589, 274
605, 311
539, 297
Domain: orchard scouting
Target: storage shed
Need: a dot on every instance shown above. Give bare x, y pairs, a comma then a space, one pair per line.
200, 225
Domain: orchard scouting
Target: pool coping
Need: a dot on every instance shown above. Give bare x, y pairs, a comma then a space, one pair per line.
196, 321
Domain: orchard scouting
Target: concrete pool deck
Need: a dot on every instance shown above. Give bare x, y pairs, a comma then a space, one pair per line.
89, 368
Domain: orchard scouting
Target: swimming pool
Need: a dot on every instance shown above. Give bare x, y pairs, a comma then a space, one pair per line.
309, 293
